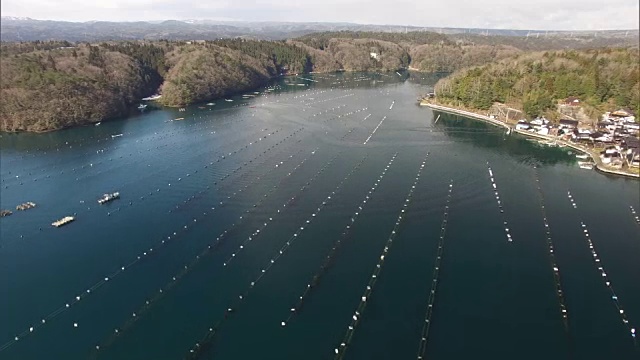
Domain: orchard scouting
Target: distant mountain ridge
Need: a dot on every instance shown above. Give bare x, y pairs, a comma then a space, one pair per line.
27, 29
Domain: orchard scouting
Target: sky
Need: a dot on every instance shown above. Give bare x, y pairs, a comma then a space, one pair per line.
494, 14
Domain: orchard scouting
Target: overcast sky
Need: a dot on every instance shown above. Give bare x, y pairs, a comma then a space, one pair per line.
504, 14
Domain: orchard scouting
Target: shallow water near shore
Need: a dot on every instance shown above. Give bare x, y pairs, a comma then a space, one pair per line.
239, 206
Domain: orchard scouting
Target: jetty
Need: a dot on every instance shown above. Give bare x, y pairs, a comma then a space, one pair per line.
465, 113
26, 206
64, 221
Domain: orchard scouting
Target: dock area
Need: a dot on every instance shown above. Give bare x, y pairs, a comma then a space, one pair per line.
465, 113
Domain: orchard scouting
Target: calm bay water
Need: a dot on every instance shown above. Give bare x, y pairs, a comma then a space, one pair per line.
188, 190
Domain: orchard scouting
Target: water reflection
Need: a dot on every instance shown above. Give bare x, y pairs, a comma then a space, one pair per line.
522, 148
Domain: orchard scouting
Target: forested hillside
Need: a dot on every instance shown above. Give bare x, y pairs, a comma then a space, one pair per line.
45, 90
602, 79
52, 85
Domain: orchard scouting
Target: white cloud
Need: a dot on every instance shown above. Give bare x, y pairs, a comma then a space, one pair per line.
513, 14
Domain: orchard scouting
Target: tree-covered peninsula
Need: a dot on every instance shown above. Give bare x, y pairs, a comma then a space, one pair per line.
602, 79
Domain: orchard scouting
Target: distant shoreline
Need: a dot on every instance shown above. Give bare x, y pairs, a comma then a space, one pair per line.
596, 158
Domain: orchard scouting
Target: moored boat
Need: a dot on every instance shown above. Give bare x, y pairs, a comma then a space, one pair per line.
108, 197
585, 165
65, 220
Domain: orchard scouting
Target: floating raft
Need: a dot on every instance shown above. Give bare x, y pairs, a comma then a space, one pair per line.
108, 197
65, 220
26, 206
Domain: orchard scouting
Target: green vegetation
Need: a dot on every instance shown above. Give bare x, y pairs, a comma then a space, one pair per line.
602, 79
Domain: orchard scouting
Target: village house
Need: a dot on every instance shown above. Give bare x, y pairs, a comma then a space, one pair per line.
523, 125
568, 124
572, 101
632, 153
620, 121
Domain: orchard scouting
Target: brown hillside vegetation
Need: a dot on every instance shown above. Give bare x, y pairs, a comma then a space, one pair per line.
203, 73
51, 85
48, 90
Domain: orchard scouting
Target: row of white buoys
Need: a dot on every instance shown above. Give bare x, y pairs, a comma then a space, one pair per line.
552, 256
345, 115
254, 180
366, 117
330, 99
497, 195
187, 268
328, 110
176, 234
341, 350
206, 340
260, 230
49, 170
598, 263
152, 139
91, 165
436, 275
392, 102
570, 197
634, 214
231, 172
225, 156
336, 245
374, 130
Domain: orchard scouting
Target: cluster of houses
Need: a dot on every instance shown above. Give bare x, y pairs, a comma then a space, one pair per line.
617, 133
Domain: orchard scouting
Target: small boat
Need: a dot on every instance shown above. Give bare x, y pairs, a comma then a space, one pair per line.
210, 104
65, 220
4, 213
98, 123
585, 165
115, 136
178, 119
152, 97
108, 197
228, 100
582, 156
142, 107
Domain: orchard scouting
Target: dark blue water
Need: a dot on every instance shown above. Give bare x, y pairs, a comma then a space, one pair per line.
293, 164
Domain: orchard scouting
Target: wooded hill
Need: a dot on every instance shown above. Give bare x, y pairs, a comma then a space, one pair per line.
51, 85
605, 79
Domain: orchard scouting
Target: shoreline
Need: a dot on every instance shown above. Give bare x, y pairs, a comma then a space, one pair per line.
599, 166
